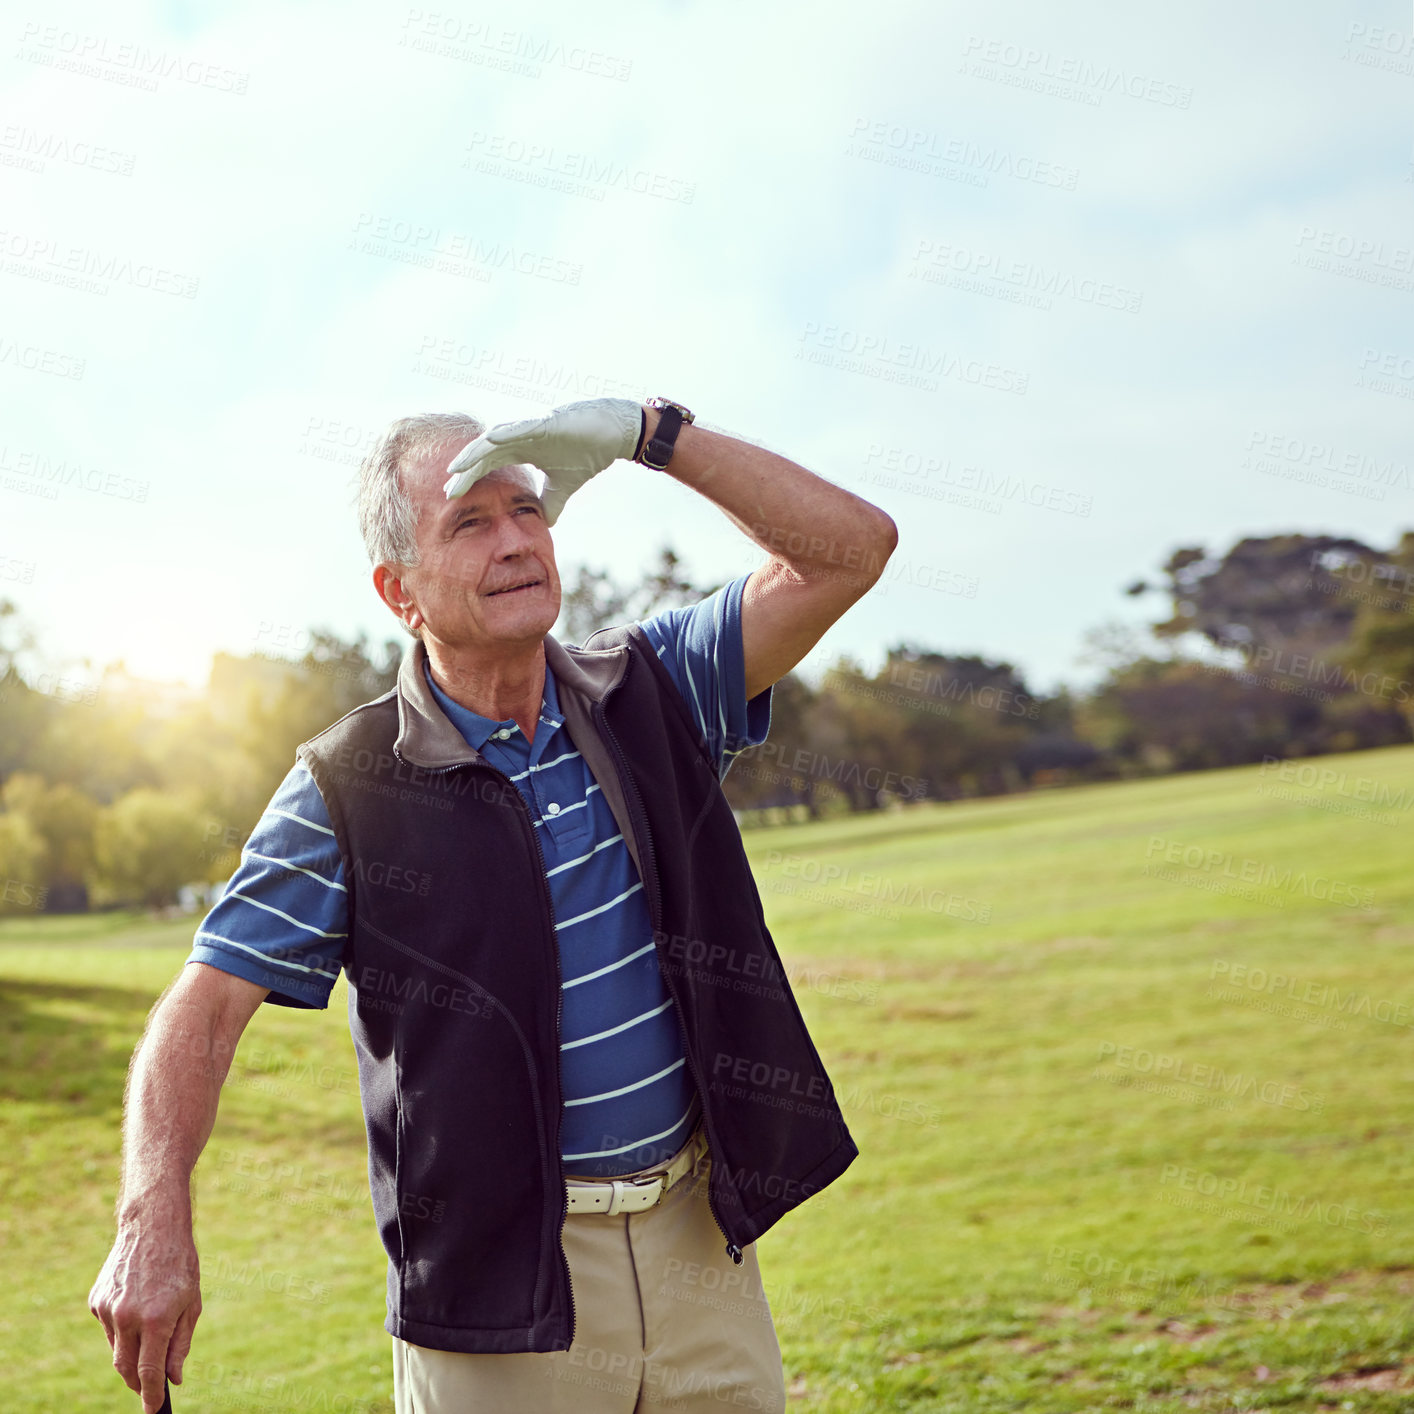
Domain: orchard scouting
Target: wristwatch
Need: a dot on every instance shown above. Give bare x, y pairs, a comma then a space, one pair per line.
659, 450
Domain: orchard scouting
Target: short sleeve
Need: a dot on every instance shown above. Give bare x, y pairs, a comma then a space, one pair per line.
700, 646
282, 920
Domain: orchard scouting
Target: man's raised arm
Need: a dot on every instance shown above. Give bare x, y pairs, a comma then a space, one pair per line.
148, 1295
827, 545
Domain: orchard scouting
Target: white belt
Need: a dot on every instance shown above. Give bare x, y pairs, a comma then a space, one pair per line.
632, 1195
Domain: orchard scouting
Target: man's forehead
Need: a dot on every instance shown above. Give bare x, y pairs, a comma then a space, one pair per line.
425, 475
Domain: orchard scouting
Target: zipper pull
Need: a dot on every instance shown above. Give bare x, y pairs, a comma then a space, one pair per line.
734, 1252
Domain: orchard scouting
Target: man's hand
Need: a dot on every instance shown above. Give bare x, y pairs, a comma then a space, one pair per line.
572, 444
148, 1297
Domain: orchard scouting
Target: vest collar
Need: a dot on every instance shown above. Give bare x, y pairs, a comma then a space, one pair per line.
428, 738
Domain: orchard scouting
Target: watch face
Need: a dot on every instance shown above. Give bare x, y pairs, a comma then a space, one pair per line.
661, 403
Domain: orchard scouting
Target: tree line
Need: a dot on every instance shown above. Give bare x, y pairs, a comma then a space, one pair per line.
1289, 645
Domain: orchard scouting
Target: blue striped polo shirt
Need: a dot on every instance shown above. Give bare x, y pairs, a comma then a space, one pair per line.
629, 1100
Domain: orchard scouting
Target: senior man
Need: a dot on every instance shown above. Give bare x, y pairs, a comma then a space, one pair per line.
586, 1084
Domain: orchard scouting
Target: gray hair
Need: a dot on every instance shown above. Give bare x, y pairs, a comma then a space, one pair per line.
386, 514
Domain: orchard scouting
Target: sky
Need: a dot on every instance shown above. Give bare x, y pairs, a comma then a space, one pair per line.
1059, 293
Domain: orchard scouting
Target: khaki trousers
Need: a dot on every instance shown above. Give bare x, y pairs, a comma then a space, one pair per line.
664, 1321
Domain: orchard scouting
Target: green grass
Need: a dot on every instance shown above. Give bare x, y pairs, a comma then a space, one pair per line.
1031, 1038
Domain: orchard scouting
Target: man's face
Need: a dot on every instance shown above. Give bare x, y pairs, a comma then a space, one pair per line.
487, 577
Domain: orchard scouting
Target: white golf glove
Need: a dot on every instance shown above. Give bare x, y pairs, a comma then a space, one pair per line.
572, 444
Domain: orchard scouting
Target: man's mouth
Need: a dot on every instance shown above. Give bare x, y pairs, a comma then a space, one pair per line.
514, 588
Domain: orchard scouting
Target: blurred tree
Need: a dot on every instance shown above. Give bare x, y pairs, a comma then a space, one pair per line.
964, 718
24, 713
278, 703
16, 637
1181, 715
1055, 753
927, 724
1275, 592
1382, 639
100, 744
1177, 715
1315, 639
148, 844
597, 600
1117, 643
21, 854
856, 744
768, 776
63, 820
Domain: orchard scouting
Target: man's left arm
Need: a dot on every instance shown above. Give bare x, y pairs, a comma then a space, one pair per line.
827, 546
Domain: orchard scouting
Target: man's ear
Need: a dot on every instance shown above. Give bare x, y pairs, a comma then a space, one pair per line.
393, 592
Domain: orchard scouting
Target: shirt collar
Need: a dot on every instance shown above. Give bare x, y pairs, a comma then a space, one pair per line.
478, 729
550, 703
427, 737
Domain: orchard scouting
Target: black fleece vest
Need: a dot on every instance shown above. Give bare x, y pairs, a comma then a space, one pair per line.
454, 992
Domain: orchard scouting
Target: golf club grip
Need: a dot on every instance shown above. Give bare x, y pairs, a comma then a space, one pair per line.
166, 1396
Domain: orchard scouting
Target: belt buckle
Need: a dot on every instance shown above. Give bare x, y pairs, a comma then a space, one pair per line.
652, 1177
620, 1186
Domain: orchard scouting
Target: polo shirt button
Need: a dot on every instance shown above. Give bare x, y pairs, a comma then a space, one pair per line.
504, 734
552, 809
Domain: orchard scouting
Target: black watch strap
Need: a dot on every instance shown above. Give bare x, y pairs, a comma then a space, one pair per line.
659, 450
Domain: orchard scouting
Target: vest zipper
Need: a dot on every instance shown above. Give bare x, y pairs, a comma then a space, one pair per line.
646, 840
559, 1059
559, 1001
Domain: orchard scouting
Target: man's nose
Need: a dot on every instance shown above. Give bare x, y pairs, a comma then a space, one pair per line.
513, 537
